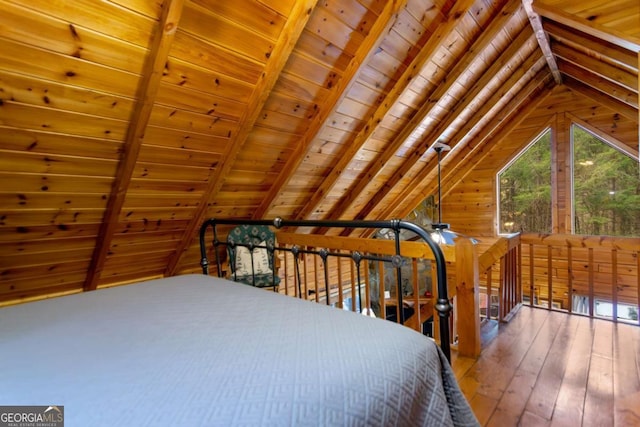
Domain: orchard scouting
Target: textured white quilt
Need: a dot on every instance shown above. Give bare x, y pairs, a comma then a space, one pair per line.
201, 351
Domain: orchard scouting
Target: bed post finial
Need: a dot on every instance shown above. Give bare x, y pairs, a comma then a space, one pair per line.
277, 222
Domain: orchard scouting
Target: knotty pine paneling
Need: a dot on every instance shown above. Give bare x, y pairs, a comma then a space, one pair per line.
280, 122
161, 199
175, 118
17, 220
130, 247
46, 142
32, 286
13, 161
39, 232
186, 139
155, 214
43, 200
152, 186
209, 80
32, 247
375, 78
43, 270
300, 88
334, 30
338, 29
282, 103
27, 90
67, 94
21, 58
178, 156
170, 172
56, 34
240, 198
57, 121
260, 18
156, 225
198, 101
217, 60
103, 17
205, 25
309, 69
54, 259
120, 268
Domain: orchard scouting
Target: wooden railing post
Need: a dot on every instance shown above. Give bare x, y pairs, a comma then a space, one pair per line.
467, 297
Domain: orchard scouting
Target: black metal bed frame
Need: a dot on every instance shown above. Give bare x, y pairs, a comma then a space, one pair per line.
442, 306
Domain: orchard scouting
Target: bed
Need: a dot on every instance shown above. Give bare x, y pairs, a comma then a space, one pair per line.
197, 350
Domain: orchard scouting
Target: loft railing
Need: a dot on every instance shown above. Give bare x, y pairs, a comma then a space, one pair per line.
596, 276
502, 297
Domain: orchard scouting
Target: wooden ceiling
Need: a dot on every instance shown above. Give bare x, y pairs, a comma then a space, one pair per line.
124, 124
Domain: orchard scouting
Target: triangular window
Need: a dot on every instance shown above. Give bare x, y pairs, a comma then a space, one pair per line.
606, 187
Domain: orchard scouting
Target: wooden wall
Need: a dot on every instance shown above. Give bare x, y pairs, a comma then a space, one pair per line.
469, 204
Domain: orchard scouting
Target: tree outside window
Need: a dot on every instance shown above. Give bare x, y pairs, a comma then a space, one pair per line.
606, 188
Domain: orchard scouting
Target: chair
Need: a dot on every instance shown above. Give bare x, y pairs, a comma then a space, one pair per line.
251, 256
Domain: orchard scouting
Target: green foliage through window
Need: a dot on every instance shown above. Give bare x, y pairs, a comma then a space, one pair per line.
606, 188
524, 189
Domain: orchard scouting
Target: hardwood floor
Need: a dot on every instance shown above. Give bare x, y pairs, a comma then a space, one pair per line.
547, 368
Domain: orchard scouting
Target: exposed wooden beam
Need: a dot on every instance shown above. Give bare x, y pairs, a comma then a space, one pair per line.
425, 54
611, 35
282, 50
520, 46
460, 165
339, 91
498, 24
428, 172
601, 90
614, 74
543, 40
147, 90
578, 40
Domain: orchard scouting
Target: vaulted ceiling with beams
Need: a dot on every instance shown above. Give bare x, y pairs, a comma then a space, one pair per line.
124, 124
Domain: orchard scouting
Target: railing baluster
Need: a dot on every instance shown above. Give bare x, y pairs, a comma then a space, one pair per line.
502, 290
489, 291
637, 254
518, 275
381, 288
569, 278
591, 275
367, 289
531, 280
353, 287
340, 291
614, 283
416, 295
550, 277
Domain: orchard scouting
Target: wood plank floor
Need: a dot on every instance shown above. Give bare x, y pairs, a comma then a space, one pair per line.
548, 368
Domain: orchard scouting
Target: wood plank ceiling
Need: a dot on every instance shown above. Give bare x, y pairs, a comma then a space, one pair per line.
124, 124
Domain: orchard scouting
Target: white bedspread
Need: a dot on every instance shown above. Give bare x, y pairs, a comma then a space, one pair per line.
195, 350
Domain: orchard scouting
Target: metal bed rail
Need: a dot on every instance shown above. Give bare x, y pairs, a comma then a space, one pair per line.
442, 306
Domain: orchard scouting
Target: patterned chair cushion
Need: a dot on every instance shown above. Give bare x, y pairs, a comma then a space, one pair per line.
251, 255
